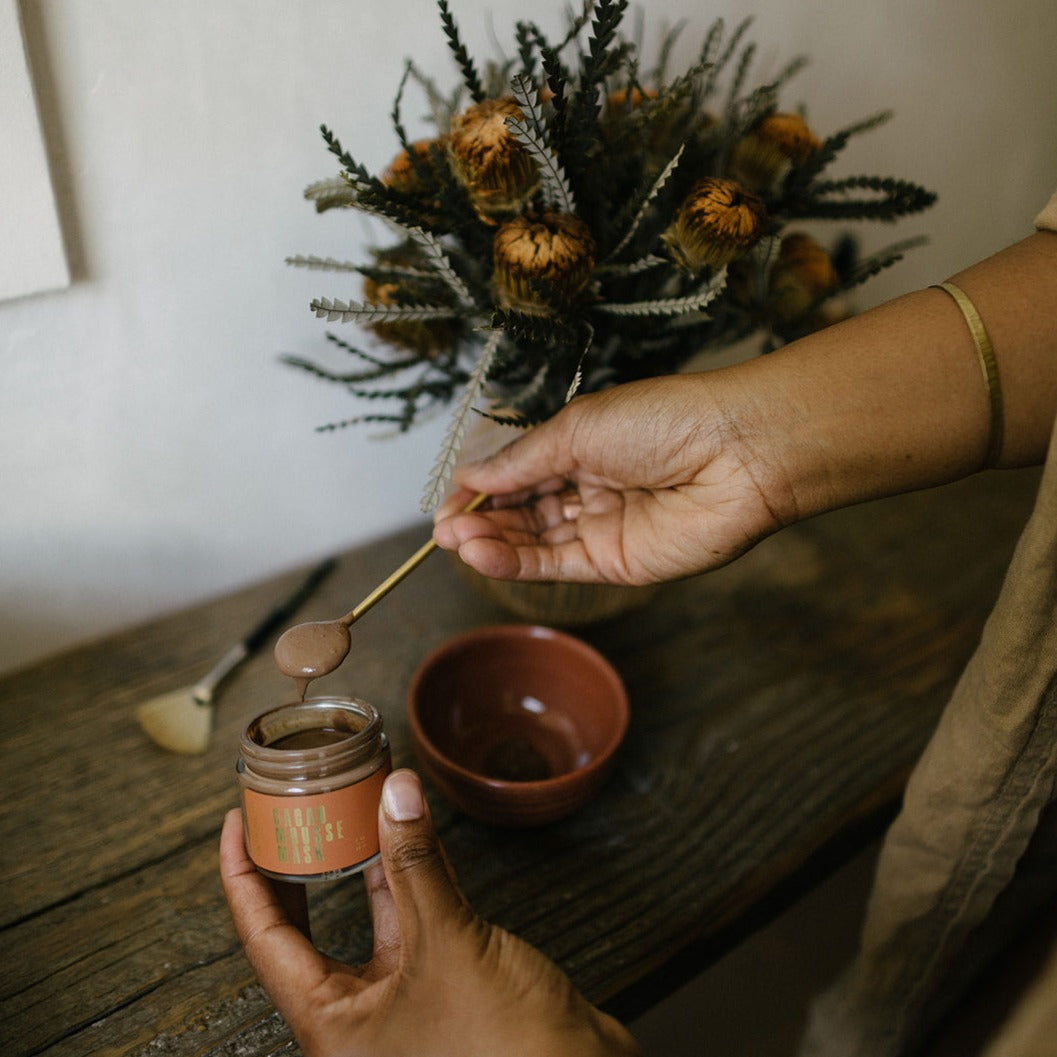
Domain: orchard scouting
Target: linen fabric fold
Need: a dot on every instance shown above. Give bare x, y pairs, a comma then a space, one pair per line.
973, 852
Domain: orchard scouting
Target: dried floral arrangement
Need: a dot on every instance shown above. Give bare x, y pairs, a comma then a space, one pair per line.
580, 220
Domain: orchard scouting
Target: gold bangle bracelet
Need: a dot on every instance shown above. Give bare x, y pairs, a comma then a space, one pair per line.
988, 367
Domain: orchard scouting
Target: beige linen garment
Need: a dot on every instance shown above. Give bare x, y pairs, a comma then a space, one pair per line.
973, 851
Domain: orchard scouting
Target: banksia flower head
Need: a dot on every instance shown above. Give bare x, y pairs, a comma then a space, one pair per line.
621, 101
426, 338
404, 172
542, 260
800, 279
718, 221
489, 160
762, 158
630, 121
408, 174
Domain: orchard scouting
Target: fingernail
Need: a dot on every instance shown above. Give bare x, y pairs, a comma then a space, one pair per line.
402, 797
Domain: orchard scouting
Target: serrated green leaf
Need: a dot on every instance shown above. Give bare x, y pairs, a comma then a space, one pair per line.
670, 306
449, 450
337, 311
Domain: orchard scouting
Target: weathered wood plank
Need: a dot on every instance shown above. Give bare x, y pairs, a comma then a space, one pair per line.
774, 703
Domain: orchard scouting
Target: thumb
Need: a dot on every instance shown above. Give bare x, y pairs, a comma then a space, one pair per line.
542, 454
419, 878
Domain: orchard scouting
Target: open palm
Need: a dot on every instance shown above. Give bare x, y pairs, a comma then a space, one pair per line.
638, 484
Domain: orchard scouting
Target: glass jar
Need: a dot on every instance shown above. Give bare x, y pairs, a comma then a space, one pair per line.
310, 774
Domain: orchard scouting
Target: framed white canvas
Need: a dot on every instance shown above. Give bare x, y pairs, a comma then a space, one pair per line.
32, 256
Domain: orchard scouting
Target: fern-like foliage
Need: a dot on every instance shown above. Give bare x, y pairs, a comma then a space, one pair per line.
322, 264
671, 306
449, 451
831, 148
437, 263
356, 174
580, 125
470, 76
350, 378
532, 133
878, 261
335, 193
540, 330
885, 198
645, 202
578, 376
361, 312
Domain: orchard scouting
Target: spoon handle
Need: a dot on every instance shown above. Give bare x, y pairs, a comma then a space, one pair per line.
256, 638
397, 575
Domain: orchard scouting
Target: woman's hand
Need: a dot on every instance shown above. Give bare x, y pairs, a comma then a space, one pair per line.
441, 981
641, 483
670, 476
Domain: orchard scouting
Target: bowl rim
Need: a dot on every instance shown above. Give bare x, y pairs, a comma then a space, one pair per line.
536, 631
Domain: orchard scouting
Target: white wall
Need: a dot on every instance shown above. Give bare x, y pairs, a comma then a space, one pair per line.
154, 452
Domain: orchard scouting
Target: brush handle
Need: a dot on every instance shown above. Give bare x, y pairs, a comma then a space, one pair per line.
206, 686
256, 638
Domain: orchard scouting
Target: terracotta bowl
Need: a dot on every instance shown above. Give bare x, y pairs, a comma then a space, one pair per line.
517, 725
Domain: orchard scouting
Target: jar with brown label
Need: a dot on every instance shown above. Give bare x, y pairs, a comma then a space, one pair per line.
310, 775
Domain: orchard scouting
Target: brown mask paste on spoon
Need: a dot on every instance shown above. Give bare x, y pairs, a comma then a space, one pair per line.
309, 651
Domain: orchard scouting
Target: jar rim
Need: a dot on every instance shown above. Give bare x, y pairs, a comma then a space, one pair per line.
360, 719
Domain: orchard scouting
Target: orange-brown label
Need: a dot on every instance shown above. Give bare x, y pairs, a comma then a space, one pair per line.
309, 835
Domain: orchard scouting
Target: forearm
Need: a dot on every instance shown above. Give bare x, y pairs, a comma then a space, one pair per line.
894, 399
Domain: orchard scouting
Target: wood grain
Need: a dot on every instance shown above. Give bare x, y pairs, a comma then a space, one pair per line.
777, 704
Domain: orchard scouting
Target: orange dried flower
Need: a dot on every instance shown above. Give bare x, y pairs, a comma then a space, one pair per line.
800, 279
405, 174
539, 254
764, 156
426, 337
489, 160
718, 221
404, 171
622, 99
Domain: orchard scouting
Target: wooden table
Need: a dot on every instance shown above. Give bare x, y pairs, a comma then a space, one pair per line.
777, 706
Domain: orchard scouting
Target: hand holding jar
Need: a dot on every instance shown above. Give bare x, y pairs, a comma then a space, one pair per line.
441, 981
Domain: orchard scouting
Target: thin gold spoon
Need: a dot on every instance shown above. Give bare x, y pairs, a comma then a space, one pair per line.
308, 651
